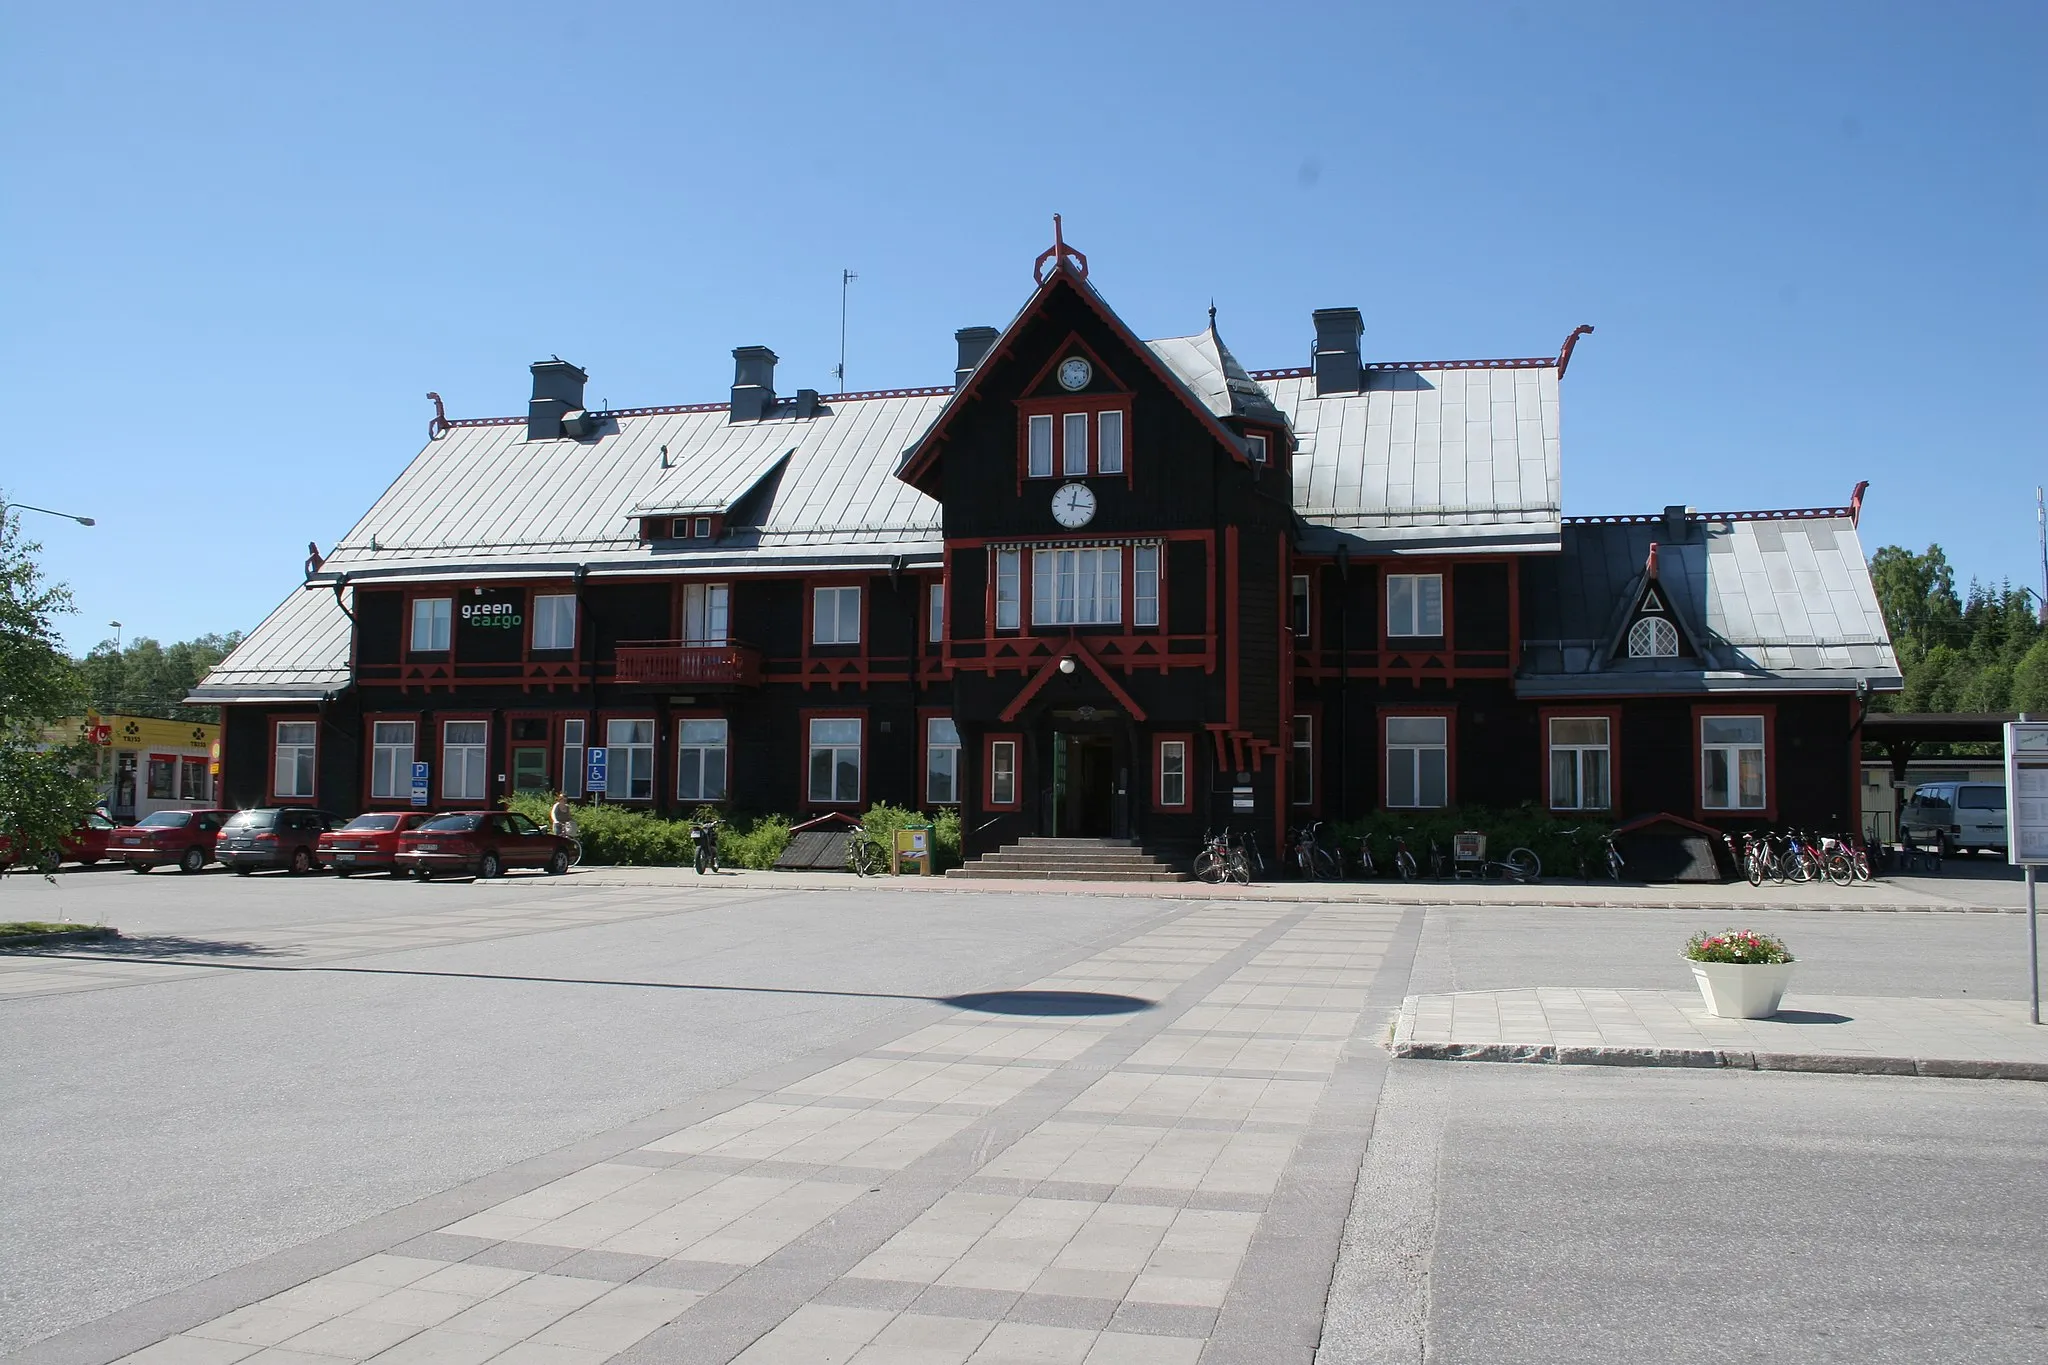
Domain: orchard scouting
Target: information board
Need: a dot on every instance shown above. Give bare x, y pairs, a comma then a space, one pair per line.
2026, 792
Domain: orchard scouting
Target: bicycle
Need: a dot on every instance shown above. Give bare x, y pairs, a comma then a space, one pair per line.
1611, 859
1212, 864
567, 830
1366, 867
863, 859
1404, 861
705, 837
1520, 865
1316, 862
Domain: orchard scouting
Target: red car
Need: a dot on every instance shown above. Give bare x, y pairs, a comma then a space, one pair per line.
85, 845
483, 844
182, 837
368, 843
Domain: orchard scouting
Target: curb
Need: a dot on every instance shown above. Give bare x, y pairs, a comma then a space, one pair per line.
67, 936
1847, 1064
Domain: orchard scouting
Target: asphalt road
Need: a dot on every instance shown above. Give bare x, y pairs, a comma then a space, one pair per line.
1583, 1215
160, 1132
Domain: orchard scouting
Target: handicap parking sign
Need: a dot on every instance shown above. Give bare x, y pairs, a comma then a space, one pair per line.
595, 778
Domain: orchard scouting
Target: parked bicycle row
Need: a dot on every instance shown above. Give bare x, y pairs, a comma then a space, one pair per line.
1790, 855
1234, 856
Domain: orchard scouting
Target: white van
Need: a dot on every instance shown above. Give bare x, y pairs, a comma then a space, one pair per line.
1957, 816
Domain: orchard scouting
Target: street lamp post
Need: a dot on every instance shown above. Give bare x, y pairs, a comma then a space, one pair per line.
29, 507
117, 635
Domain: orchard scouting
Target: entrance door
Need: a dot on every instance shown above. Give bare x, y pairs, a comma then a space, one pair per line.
1085, 785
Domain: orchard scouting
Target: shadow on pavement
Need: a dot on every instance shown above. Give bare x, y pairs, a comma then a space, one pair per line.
148, 946
1810, 1017
1047, 1003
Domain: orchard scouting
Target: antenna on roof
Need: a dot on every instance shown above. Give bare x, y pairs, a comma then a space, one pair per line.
846, 277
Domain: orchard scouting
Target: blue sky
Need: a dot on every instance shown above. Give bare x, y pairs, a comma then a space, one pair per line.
243, 241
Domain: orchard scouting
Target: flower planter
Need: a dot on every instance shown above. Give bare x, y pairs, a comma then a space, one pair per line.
1742, 990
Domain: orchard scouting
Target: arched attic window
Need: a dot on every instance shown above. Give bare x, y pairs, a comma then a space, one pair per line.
1653, 637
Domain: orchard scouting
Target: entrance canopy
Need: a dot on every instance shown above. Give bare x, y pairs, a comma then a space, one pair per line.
1902, 734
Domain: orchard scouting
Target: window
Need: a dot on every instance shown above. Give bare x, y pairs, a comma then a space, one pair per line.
1173, 772
1301, 774
1002, 772
703, 528
1415, 604
935, 610
1255, 447
1077, 587
1653, 637
295, 743
1580, 763
462, 759
941, 762
430, 617
391, 749
1145, 585
700, 760
1109, 443
1008, 594
835, 616
1038, 460
163, 777
1980, 798
1074, 443
192, 783
1732, 762
629, 760
572, 758
1298, 605
705, 613
1418, 761
554, 622
835, 759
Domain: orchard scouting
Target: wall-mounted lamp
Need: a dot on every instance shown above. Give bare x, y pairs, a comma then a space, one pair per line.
1067, 664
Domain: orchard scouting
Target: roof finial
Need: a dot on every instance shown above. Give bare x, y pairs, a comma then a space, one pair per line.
1564, 354
1212, 315
437, 425
1059, 253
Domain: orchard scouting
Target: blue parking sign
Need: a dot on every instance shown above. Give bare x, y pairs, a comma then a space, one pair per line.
595, 779
419, 784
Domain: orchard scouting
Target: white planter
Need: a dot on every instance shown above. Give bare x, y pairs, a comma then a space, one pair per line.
1742, 990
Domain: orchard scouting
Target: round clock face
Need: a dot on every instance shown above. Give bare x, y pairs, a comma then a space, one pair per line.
1073, 504
1075, 373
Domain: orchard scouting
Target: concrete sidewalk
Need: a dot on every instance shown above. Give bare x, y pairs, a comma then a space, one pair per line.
1871, 1035
1917, 895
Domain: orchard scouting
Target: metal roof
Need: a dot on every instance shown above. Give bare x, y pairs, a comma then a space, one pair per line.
1772, 603
299, 653
1212, 374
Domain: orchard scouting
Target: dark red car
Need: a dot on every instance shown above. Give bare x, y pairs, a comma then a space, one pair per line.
85, 845
182, 837
483, 844
368, 843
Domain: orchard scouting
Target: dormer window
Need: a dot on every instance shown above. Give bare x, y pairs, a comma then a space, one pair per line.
1255, 446
1653, 637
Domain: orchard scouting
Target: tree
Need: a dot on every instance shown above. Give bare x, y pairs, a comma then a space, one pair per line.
1917, 594
149, 679
42, 798
2030, 680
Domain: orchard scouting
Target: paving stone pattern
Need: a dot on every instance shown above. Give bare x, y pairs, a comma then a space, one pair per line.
1143, 1188
1882, 1035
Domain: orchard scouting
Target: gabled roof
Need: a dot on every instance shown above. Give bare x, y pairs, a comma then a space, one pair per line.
1781, 602
1205, 365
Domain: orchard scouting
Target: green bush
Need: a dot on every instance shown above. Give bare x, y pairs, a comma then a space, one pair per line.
1524, 826
882, 821
622, 837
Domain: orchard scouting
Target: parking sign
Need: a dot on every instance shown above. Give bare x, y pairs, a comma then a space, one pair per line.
595, 759
419, 784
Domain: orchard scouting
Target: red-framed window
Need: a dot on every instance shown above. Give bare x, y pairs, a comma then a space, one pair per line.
1004, 768
1581, 758
1415, 603
835, 757
1419, 757
703, 757
395, 744
1301, 606
836, 612
430, 623
1735, 760
530, 752
632, 741
938, 757
1304, 733
463, 757
295, 759
1173, 773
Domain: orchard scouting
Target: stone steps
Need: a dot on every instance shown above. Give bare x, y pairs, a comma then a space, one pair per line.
1050, 859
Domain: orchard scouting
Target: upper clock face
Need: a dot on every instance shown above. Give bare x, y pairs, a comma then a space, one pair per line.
1073, 504
1075, 373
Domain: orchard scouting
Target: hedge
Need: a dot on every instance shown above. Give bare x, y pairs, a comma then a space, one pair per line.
623, 837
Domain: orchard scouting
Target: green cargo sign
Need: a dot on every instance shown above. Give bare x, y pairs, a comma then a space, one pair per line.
494, 612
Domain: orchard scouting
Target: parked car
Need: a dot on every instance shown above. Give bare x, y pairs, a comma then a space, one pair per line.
185, 838
274, 836
1955, 816
85, 845
368, 843
484, 843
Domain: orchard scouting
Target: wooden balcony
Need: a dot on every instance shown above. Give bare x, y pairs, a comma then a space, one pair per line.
678, 663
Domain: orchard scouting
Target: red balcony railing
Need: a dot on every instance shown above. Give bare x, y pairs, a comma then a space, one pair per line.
672, 663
